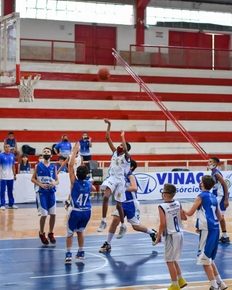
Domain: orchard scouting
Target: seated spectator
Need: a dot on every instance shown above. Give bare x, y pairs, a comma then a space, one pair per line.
64, 147
13, 144
62, 169
85, 145
24, 166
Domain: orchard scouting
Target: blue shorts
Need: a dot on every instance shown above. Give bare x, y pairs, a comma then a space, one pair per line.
46, 203
208, 245
77, 221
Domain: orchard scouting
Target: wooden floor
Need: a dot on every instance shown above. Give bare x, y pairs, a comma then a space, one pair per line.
23, 223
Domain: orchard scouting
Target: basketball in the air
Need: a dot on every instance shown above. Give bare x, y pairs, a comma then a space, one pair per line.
103, 74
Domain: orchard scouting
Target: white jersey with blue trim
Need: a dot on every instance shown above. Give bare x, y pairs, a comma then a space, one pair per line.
207, 212
218, 189
172, 217
6, 163
130, 195
77, 162
80, 194
119, 166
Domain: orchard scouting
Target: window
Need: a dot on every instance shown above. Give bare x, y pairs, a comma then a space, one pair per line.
76, 11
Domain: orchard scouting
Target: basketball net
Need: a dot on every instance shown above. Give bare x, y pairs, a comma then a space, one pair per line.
27, 87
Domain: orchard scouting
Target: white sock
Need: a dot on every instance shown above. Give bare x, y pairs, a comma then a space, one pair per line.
81, 249
69, 249
224, 234
104, 220
109, 238
175, 283
218, 279
180, 276
149, 231
123, 225
214, 284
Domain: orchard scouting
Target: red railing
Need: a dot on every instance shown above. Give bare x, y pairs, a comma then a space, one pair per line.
160, 105
180, 57
52, 50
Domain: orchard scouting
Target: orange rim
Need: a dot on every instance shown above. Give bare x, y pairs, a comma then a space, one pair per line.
28, 74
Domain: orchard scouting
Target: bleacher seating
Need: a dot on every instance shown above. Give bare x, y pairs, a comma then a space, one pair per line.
74, 101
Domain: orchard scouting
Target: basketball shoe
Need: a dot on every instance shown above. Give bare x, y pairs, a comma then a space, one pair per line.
122, 232
222, 285
182, 282
43, 238
174, 287
153, 237
224, 240
80, 255
51, 238
102, 226
213, 288
105, 248
68, 257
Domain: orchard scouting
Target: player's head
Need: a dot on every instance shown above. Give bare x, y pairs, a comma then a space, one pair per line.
11, 135
213, 163
7, 148
207, 182
82, 172
40, 157
85, 136
47, 152
64, 138
61, 159
169, 190
120, 148
133, 165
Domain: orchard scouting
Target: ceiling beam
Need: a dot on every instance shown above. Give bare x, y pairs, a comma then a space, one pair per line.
142, 3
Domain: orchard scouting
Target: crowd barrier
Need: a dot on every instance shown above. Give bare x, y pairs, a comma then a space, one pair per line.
149, 185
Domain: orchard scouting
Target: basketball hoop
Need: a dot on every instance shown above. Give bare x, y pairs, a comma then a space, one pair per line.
27, 87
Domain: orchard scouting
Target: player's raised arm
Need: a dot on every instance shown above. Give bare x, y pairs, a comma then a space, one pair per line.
108, 135
124, 145
72, 174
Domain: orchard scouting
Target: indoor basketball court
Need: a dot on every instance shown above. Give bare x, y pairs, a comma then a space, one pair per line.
133, 262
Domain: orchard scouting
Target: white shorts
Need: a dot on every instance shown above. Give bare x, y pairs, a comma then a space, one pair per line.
131, 211
173, 246
117, 187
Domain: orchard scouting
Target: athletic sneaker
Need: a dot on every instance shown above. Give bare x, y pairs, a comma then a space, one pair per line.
51, 238
222, 285
213, 288
224, 240
153, 237
174, 287
43, 239
80, 255
102, 226
2, 208
105, 248
13, 206
122, 232
68, 257
182, 282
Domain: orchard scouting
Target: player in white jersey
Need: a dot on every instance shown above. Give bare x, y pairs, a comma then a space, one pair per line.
78, 162
220, 190
208, 218
115, 182
171, 216
131, 208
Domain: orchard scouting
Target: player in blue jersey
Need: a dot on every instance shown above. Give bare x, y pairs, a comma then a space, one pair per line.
7, 177
208, 218
45, 176
24, 166
13, 144
85, 145
171, 216
80, 207
131, 209
64, 147
220, 190
115, 181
